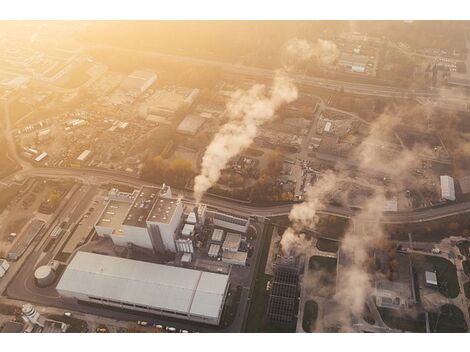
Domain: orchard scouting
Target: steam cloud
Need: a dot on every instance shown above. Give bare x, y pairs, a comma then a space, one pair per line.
299, 50
248, 110
365, 233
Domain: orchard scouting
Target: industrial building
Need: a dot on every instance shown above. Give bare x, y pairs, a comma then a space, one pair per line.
164, 104
431, 279
217, 235
214, 250
139, 81
4, 266
232, 242
190, 124
232, 222
150, 218
147, 287
40, 157
235, 258
447, 188
84, 156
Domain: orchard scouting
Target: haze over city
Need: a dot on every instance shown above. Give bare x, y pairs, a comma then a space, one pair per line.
234, 176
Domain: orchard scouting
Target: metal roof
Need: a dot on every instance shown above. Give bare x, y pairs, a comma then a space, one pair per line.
153, 285
447, 187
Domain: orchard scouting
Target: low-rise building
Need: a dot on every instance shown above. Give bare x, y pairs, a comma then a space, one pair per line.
232, 242
146, 287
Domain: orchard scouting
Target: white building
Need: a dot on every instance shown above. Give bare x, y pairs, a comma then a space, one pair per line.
139, 81
447, 188
232, 222
44, 134
147, 218
184, 245
84, 156
217, 235
4, 266
147, 287
214, 250
431, 278
232, 242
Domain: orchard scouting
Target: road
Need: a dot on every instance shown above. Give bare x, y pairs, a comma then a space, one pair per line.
95, 176
349, 87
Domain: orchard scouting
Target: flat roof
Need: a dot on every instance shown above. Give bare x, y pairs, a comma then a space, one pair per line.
431, 278
84, 155
114, 214
217, 235
163, 210
141, 207
190, 124
159, 286
232, 241
239, 256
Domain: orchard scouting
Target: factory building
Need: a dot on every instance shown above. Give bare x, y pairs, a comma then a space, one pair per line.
232, 242
235, 258
146, 287
139, 81
4, 266
217, 235
149, 218
190, 124
232, 222
447, 188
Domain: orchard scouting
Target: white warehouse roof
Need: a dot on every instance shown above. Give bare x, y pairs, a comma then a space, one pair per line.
175, 289
84, 155
447, 187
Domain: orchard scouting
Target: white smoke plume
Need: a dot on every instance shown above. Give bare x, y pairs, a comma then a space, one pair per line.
299, 50
247, 110
365, 233
304, 215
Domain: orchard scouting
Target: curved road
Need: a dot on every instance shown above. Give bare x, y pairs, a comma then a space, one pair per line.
89, 175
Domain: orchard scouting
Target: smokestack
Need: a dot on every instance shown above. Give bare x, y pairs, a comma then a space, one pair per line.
248, 110
196, 212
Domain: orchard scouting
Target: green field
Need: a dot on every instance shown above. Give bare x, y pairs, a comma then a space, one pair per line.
466, 288
449, 319
326, 245
310, 316
446, 273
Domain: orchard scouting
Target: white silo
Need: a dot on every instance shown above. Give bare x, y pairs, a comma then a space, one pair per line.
44, 275
31, 314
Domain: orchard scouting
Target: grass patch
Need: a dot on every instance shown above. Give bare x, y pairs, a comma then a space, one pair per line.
446, 276
449, 319
463, 247
322, 263
398, 321
310, 316
466, 289
326, 245
466, 267
446, 272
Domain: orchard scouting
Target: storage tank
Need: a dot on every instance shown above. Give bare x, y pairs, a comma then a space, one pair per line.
44, 275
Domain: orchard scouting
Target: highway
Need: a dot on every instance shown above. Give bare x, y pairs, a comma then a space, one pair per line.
349, 87
96, 176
